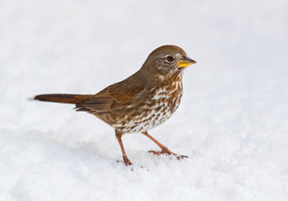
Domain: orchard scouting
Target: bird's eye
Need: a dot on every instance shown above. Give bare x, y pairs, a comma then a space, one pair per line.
170, 58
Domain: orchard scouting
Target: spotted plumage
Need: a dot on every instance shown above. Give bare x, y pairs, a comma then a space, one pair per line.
141, 102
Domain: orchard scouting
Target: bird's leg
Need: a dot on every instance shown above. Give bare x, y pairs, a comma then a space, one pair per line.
164, 150
125, 158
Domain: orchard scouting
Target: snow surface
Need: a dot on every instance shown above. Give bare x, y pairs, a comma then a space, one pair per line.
232, 123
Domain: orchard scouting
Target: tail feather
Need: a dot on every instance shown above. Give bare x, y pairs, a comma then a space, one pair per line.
62, 98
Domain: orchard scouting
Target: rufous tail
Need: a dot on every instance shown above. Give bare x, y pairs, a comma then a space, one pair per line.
61, 98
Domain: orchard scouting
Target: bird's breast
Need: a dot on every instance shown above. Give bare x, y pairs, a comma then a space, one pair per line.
154, 109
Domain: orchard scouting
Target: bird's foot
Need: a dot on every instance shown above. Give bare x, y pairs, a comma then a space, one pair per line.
126, 161
166, 151
181, 156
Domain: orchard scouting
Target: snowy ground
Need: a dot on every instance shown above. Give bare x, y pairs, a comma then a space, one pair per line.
233, 121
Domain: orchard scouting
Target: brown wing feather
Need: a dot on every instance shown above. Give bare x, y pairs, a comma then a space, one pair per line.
122, 93
110, 99
100, 102
116, 96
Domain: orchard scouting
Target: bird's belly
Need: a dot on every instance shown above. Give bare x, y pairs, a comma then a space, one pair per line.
146, 121
147, 117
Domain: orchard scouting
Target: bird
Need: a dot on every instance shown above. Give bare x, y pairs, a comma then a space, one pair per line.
140, 102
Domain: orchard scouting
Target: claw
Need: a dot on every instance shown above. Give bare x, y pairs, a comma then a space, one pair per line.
126, 161
160, 152
167, 152
181, 157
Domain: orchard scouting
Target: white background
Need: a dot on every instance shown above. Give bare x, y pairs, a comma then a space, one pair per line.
232, 123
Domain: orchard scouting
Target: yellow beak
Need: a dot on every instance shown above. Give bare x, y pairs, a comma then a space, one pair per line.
185, 61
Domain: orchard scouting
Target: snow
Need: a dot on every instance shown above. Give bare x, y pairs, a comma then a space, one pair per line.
232, 123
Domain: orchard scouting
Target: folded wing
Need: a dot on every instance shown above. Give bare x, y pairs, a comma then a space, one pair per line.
114, 97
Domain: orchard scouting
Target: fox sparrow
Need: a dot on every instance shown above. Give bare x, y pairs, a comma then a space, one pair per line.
141, 102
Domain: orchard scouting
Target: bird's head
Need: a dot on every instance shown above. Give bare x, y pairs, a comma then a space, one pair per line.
167, 61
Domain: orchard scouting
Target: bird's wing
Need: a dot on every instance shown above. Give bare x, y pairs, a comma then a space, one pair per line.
114, 97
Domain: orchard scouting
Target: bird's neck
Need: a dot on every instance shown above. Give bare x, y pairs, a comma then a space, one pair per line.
163, 80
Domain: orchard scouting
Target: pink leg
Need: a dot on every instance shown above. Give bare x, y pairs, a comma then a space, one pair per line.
164, 150
125, 158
